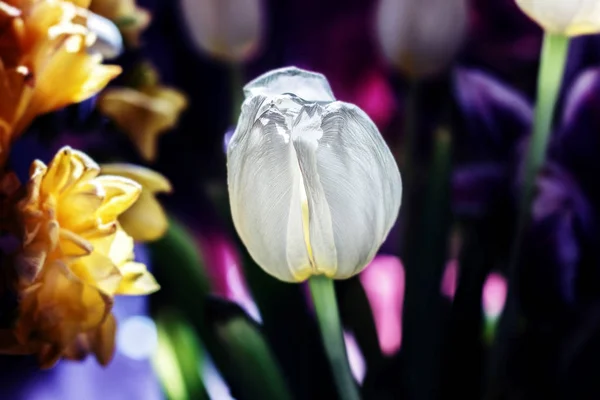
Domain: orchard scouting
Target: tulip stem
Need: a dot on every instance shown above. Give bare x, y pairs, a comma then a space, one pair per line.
326, 307
552, 66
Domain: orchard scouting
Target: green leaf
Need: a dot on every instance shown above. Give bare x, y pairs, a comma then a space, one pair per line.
251, 367
178, 359
238, 348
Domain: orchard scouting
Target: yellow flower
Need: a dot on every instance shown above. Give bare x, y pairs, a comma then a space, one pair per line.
567, 17
130, 18
75, 259
143, 113
146, 219
68, 206
44, 62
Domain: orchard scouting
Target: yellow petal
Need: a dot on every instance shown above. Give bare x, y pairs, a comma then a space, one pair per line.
137, 280
69, 305
99, 271
48, 355
77, 211
73, 245
146, 220
87, 76
121, 248
121, 193
149, 179
102, 340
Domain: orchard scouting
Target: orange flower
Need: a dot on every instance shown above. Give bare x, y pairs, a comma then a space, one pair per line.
75, 259
44, 64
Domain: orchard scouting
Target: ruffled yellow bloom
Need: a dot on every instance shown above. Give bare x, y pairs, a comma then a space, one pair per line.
41, 43
146, 219
144, 112
75, 259
130, 18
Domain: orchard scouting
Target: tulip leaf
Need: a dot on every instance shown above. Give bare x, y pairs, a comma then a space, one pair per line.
177, 249
180, 269
178, 358
252, 369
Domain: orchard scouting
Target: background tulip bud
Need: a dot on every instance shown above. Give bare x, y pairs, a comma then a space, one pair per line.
421, 37
313, 187
571, 18
229, 30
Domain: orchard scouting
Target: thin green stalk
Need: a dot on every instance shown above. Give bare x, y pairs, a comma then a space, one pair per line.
326, 307
552, 67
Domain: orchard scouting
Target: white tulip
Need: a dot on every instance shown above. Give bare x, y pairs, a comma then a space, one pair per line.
229, 30
421, 37
567, 17
313, 187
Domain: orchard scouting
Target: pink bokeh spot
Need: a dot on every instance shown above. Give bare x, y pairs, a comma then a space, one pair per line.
494, 295
224, 269
383, 282
375, 97
450, 279
356, 359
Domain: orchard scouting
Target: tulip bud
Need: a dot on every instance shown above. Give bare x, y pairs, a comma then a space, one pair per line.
567, 17
421, 37
229, 30
313, 187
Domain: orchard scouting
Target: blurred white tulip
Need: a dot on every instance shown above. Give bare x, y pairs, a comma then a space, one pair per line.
313, 187
421, 37
229, 30
567, 17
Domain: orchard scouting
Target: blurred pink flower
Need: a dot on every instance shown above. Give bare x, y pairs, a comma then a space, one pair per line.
383, 282
494, 295
347, 55
450, 279
225, 272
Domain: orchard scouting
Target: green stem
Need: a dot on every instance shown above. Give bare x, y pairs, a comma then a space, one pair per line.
552, 66
326, 307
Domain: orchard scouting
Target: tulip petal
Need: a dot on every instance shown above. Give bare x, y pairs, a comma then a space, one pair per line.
572, 18
361, 182
320, 228
309, 86
264, 184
